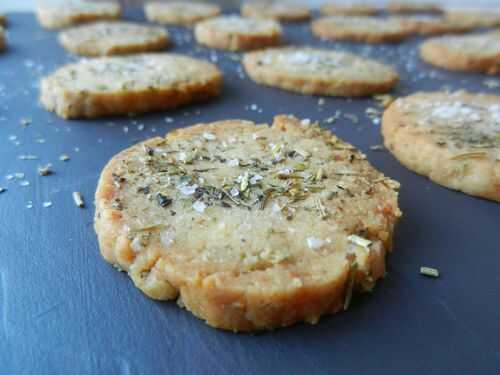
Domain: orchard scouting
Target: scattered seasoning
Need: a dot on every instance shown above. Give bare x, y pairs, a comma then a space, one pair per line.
199, 206
492, 83
64, 157
28, 157
24, 183
314, 243
45, 170
2, 190
352, 117
163, 200
428, 271
47, 204
377, 148
360, 241
25, 121
384, 100
350, 285
29, 204
78, 199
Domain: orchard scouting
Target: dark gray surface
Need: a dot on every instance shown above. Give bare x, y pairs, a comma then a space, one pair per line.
65, 311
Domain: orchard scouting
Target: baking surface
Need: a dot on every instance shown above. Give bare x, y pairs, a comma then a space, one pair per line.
63, 310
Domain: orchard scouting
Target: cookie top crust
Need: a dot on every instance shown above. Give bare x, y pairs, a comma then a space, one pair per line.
106, 38
480, 45
63, 14
132, 73
286, 12
180, 13
240, 25
413, 7
312, 62
348, 9
363, 24
462, 121
474, 18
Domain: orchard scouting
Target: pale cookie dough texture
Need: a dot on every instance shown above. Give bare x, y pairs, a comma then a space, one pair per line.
280, 11
180, 13
247, 226
127, 85
453, 139
60, 14
348, 10
361, 29
475, 19
237, 33
432, 25
113, 38
319, 72
470, 53
413, 7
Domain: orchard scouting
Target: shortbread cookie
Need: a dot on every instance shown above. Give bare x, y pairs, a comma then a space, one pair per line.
360, 29
237, 33
454, 139
2, 39
413, 7
474, 19
68, 13
471, 53
427, 24
122, 85
247, 226
348, 10
280, 11
113, 38
319, 71
180, 13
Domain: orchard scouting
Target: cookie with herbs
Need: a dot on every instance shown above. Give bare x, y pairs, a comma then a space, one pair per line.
334, 9
413, 7
451, 138
276, 10
237, 33
474, 18
469, 53
360, 29
73, 12
180, 13
113, 38
126, 85
249, 227
429, 24
319, 72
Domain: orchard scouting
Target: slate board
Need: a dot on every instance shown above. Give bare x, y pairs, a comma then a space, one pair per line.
65, 311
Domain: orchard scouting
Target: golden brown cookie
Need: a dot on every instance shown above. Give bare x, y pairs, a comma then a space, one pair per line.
247, 226
180, 13
428, 24
236, 33
133, 84
73, 12
276, 10
361, 29
453, 139
319, 72
413, 7
470, 53
334, 9
113, 38
474, 18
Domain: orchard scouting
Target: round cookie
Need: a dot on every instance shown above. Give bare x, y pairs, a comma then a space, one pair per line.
474, 18
285, 12
236, 33
180, 13
68, 13
247, 226
470, 53
319, 72
413, 7
453, 139
124, 85
360, 29
428, 24
332, 9
113, 38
